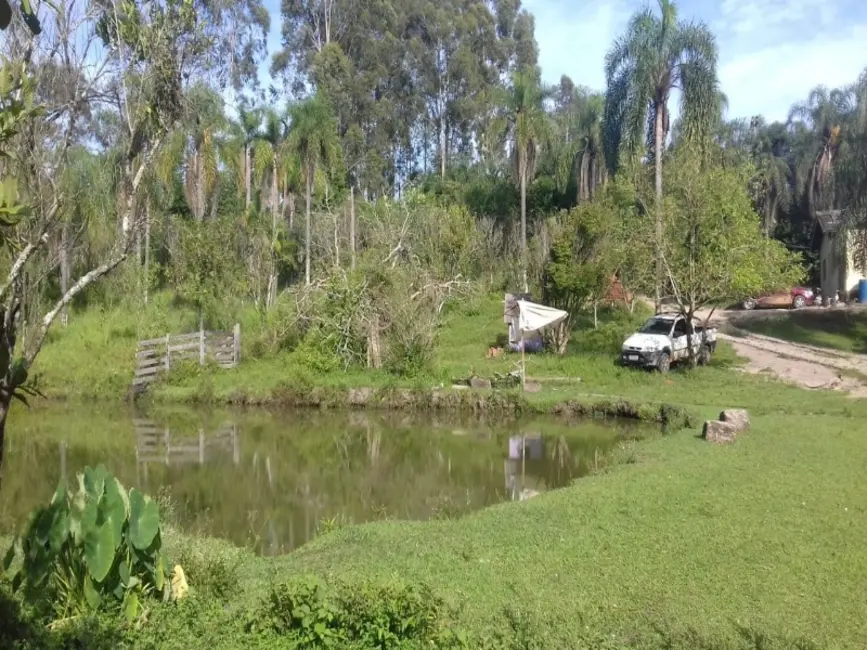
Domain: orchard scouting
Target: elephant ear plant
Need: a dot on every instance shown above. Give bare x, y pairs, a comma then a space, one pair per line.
98, 548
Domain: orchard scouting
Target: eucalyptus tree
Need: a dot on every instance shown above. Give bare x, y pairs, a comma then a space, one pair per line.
656, 55
313, 138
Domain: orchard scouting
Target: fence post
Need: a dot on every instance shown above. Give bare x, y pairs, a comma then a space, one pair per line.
236, 340
168, 353
201, 343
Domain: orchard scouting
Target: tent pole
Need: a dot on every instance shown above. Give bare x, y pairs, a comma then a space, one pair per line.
523, 362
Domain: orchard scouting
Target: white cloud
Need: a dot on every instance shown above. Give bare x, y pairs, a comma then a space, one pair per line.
761, 17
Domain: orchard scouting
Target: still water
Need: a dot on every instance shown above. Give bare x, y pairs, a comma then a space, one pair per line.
271, 479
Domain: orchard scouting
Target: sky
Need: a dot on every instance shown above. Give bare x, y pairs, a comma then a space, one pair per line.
772, 52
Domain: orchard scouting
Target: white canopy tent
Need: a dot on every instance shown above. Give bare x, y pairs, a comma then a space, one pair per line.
532, 317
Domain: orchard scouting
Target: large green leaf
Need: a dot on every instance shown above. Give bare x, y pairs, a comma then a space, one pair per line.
113, 507
94, 480
59, 530
99, 546
123, 571
144, 520
90, 594
60, 494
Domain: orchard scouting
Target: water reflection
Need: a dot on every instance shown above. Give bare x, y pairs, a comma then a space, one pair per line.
272, 480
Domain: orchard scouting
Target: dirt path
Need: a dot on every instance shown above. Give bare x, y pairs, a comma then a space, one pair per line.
797, 363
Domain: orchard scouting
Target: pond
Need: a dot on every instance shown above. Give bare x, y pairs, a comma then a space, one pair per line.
272, 479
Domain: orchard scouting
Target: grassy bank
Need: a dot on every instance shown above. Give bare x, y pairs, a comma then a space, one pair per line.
683, 545
93, 359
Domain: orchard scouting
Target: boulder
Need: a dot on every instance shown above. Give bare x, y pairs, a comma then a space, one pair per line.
478, 383
532, 387
719, 432
737, 417
360, 396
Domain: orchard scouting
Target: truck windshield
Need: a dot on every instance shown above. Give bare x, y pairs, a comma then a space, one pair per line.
656, 326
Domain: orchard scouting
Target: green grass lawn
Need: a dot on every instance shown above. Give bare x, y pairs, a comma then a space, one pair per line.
685, 545
838, 329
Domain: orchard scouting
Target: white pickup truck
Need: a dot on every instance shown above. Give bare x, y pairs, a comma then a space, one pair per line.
664, 340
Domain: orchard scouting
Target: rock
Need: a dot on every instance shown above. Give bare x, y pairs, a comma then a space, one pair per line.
477, 383
719, 432
532, 386
359, 396
738, 417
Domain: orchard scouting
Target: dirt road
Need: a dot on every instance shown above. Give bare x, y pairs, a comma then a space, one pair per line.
797, 363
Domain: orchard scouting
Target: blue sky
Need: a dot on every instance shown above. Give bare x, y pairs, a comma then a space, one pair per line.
772, 52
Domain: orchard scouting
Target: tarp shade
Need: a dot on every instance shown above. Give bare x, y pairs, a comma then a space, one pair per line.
533, 317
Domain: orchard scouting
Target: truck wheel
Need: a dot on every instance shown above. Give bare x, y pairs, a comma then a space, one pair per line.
799, 302
663, 363
749, 304
704, 355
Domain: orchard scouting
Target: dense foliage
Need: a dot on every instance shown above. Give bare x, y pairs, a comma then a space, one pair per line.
98, 547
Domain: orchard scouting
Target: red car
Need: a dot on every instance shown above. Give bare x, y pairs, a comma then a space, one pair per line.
797, 298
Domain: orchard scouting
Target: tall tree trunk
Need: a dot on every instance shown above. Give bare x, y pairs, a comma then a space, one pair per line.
772, 217
4, 411
200, 188
442, 146
147, 249
522, 167
811, 189
591, 179
272, 282
352, 225
309, 199
64, 269
247, 175
658, 136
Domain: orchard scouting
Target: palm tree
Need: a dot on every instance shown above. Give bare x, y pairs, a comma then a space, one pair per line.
245, 132
656, 55
313, 138
205, 119
771, 186
590, 172
821, 118
527, 126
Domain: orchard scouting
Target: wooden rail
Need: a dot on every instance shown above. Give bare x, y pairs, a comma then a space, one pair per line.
155, 356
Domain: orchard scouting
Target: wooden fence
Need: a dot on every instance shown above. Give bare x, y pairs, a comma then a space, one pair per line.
156, 356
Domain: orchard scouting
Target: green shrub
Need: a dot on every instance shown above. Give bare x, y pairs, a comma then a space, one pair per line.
96, 549
310, 614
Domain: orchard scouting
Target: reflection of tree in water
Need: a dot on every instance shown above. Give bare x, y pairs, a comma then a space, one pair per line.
289, 473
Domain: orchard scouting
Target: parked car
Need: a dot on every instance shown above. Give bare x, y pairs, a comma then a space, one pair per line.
664, 340
796, 298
